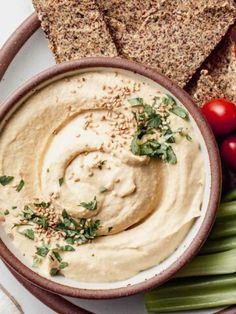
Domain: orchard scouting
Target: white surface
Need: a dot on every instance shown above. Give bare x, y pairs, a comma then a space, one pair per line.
33, 58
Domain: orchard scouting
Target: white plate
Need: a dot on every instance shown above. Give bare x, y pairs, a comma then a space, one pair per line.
33, 58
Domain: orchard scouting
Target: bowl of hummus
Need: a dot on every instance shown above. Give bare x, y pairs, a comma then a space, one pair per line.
109, 179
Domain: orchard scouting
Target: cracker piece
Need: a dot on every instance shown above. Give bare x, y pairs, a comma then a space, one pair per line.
171, 36
74, 29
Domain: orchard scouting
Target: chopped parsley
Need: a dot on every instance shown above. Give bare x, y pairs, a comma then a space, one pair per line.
154, 149
77, 231
136, 101
41, 221
177, 110
42, 251
57, 256
28, 213
73, 231
4, 180
103, 189
63, 265
168, 136
28, 233
90, 205
61, 181
42, 205
37, 261
155, 124
180, 112
31, 216
147, 121
169, 100
54, 271
20, 185
6, 212
66, 248
188, 137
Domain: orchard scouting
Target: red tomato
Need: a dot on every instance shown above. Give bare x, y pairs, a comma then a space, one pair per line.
221, 115
228, 152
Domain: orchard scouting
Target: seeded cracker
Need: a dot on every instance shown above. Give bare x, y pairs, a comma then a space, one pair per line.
74, 29
217, 76
172, 36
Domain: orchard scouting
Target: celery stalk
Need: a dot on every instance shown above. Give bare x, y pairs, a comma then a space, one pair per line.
226, 210
192, 294
230, 196
212, 264
218, 245
223, 229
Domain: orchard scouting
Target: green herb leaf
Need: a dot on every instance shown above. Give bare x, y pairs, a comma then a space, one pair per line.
154, 121
90, 205
61, 181
188, 137
103, 189
28, 213
180, 112
36, 261
20, 185
169, 100
168, 136
171, 157
42, 221
70, 240
42, 251
57, 255
63, 265
14, 207
54, 271
65, 214
4, 180
156, 99
136, 101
66, 248
19, 225
28, 233
135, 147
67, 222
77, 231
6, 212
149, 110
154, 149
42, 205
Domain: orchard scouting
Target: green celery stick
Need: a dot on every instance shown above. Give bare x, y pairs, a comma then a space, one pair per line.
211, 264
230, 196
226, 210
218, 245
223, 229
192, 294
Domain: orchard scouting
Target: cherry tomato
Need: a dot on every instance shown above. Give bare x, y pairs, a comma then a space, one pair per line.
228, 152
221, 115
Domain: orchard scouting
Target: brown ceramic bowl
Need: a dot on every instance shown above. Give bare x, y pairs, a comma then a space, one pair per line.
189, 247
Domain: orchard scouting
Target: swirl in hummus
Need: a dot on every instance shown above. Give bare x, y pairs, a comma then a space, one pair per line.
101, 176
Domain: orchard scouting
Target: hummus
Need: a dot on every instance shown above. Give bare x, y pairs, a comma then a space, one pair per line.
85, 190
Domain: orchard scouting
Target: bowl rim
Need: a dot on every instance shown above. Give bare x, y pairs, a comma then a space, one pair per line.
67, 69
